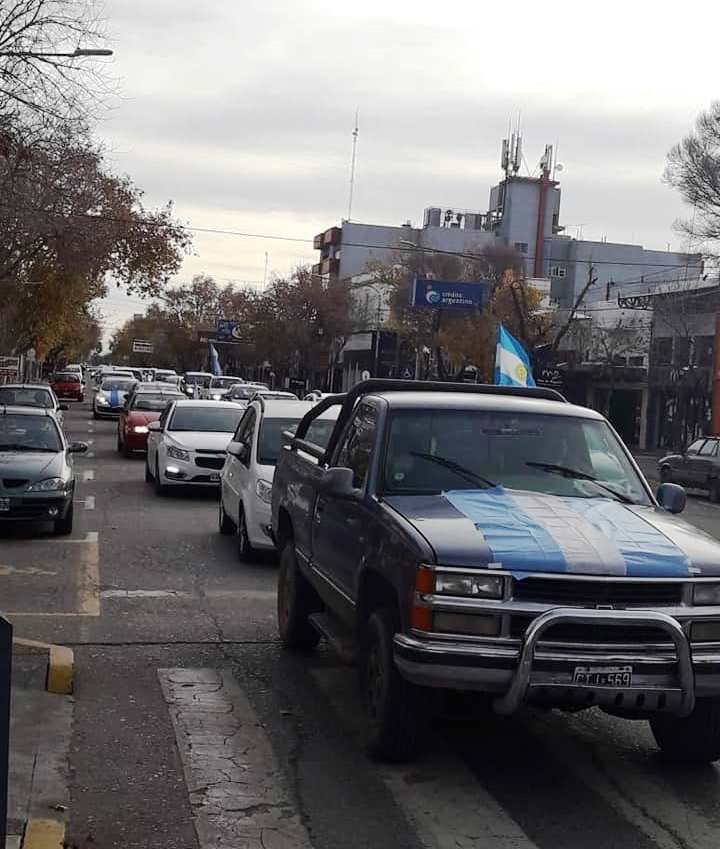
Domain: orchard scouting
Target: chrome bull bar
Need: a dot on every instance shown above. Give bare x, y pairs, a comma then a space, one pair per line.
521, 681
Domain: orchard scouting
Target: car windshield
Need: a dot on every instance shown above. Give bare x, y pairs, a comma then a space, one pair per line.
223, 382
271, 438
436, 451
243, 393
29, 433
26, 397
206, 419
153, 401
118, 384
67, 377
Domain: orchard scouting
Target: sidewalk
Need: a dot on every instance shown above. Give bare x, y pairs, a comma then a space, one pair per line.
40, 729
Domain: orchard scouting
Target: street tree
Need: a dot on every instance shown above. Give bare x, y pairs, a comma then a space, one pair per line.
693, 168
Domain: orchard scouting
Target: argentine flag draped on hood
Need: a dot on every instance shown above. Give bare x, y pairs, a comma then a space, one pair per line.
512, 364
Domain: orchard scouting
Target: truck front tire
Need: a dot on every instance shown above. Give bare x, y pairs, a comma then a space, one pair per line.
296, 601
693, 739
395, 709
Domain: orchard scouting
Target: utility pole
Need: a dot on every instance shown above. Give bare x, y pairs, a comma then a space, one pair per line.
355, 134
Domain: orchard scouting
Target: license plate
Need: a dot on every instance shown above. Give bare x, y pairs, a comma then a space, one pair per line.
603, 676
215, 477
4, 505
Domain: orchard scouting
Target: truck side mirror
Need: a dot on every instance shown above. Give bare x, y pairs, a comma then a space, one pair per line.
671, 497
338, 482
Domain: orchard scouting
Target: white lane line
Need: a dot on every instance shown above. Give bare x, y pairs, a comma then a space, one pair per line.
145, 594
89, 455
444, 801
90, 441
88, 501
237, 793
88, 475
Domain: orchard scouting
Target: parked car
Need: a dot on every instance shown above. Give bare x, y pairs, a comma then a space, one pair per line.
110, 396
466, 537
241, 393
220, 386
38, 480
271, 394
38, 395
143, 405
195, 382
68, 384
246, 479
187, 444
164, 374
698, 466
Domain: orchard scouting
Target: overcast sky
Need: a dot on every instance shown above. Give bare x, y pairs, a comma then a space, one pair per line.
242, 112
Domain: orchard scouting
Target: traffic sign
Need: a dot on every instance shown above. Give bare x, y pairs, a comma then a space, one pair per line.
140, 346
228, 331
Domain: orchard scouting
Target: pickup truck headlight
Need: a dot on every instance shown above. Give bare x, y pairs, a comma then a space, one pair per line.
264, 491
178, 453
470, 585
706, 593
47, 485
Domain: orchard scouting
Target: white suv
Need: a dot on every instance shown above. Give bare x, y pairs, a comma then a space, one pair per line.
246, 478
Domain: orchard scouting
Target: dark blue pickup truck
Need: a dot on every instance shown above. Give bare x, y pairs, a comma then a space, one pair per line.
502, 541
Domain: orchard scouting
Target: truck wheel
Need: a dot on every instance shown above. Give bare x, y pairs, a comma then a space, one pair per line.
395, 708
692, 739
296, 600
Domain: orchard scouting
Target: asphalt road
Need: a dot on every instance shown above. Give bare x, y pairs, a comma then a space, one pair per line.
192, 728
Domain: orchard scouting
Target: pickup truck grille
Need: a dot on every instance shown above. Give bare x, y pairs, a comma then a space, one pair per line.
572, 593
591, 634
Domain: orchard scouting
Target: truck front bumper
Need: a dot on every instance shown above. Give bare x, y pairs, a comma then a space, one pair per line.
665, 679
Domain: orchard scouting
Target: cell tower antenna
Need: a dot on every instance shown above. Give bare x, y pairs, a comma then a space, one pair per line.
355, 134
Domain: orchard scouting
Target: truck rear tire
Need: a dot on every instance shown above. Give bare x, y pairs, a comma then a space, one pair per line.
396, 710
296, 601
693, 739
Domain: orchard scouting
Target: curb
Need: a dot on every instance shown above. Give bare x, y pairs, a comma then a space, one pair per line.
60, 668
44, 834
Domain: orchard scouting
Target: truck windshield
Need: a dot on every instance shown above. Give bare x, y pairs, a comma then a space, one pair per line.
271, 438
435, 451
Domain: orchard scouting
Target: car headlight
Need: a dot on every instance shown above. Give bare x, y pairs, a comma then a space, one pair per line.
178, 453
140, 429
48, 485
216, 396
472, 585
190, 390
263, 490
706, 593
102, 400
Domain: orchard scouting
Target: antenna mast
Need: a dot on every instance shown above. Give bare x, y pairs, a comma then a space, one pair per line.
355, 133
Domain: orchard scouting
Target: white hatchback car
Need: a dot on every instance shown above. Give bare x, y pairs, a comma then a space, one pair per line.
187, 445
246, 479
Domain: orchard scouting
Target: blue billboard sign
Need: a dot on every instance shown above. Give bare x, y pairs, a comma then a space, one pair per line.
227, 330
449, 295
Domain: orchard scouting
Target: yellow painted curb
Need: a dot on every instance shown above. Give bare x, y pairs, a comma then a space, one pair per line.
61, 662
44, 834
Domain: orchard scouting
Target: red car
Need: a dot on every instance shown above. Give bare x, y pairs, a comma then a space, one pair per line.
68, 384
142, 408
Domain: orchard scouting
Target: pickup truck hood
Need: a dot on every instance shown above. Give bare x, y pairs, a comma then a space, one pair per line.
526, 532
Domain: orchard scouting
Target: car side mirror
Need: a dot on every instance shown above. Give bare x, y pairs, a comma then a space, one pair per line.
154, 426
77, 447
337, 481
239, 450
671, 497
63, 407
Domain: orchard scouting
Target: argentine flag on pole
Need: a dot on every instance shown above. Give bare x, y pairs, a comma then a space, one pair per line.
214, 361
512, 364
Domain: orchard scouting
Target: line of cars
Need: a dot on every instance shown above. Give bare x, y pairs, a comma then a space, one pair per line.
37, 478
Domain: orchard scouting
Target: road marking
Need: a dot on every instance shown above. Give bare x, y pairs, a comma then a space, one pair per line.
236, 788
145, 594
89, 455
88, 475
439, 795
89, 577
88, 501
6, 570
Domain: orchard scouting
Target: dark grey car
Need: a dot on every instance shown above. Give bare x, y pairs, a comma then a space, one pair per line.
37, 479
697, 466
